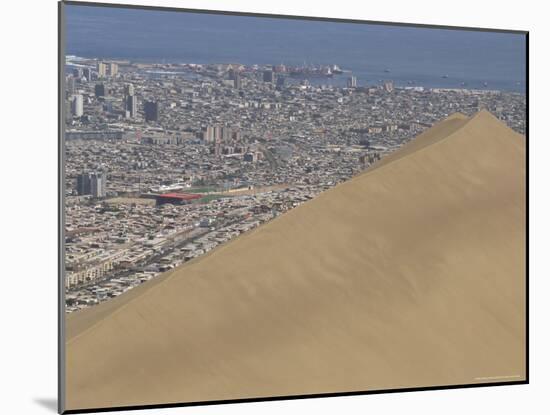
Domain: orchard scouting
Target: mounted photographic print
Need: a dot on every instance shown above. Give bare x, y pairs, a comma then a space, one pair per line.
258, 207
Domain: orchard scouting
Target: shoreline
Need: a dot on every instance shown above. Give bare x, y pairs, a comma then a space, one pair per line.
338, 80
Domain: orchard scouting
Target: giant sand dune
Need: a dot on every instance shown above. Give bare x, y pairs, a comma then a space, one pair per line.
410, 274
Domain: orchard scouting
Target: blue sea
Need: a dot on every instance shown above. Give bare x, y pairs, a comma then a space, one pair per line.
409, 56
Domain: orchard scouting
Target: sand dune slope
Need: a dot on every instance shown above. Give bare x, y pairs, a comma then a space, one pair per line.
411, 274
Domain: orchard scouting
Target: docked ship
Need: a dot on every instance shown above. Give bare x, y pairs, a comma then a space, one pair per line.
336, 70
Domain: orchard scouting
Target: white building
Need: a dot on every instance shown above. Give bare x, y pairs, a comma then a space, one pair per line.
77, 105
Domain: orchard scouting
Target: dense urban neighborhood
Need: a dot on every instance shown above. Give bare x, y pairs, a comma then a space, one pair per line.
165, 161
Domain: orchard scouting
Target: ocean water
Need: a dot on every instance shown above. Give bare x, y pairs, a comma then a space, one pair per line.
406, 55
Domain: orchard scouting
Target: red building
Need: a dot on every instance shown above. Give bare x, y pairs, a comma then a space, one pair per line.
177, 198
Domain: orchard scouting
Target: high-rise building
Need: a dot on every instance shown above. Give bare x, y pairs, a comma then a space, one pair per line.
83, 184
130, 101
113, 69
128, 89
269, 76
71, 85
101, 70
100, 90
87, 73
151, 110
235, 76
94, 184
219, 134
99, 185
222, 134
352, 82
237, 82
131, 106
68, 108
281, 81
77, 105
208, 134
